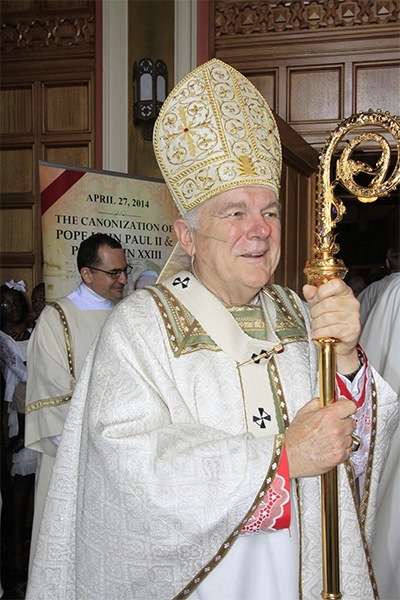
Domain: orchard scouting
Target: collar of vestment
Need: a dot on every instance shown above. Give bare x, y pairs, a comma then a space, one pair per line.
86, 299
195, 319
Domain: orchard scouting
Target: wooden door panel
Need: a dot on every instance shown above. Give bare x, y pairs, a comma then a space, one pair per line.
47, 113
75, 155
267, 84
314, 94
16, 113
370, 81
16, 230
17, 166
66, 107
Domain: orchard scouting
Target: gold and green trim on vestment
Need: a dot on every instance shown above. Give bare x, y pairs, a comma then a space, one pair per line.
361, 503
365, 496
186, 335
289, 318
228, 543
281, 411
57, 400
67, 337
47, 403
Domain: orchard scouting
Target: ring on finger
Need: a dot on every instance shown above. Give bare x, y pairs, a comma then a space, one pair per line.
355, 443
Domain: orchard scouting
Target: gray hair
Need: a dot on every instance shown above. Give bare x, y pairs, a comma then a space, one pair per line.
192, 216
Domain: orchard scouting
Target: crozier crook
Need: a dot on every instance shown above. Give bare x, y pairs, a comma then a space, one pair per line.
324, 266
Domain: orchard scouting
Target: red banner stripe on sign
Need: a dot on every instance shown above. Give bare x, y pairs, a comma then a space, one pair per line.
62, 184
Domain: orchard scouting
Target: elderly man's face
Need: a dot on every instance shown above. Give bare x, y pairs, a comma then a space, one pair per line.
236, 242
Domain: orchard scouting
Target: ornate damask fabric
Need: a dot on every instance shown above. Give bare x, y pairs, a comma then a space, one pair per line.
381, 338
50, 362
55, 359
216, 132
156, 473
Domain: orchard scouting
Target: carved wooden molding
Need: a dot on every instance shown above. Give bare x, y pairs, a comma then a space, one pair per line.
47, 33
241, 17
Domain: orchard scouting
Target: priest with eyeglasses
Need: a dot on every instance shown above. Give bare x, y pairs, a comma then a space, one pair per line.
58, 347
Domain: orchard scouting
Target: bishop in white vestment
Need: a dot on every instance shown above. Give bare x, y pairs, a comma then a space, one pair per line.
190, 459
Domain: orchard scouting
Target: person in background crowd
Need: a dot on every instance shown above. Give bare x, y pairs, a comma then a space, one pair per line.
191, 455
14, 337
380, 337
38, 301
58, 347
372, 292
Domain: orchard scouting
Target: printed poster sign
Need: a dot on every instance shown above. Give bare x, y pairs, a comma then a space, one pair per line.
76, 203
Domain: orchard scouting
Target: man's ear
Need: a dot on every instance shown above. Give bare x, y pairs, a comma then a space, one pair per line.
185, 236
86, 275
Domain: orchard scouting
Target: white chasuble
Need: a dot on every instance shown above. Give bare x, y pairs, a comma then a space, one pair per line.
157, 473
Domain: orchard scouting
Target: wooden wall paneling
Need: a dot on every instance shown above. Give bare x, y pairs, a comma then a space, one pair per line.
297, 227
300, 162
17, 240
370, 81
306, 194
268, 84
347, 88
314, 93
67, 126
64, 4
47, 112
315, 99
16, 114
15, 6
292, 262
15, 271
306, 42
332, 59
66, 107
68, 153
17, 166
17, 230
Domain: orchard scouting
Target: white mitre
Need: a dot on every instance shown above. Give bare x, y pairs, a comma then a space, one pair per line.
215, 132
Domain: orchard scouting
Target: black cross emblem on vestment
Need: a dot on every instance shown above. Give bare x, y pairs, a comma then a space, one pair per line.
257, 357
264, 416
183, 282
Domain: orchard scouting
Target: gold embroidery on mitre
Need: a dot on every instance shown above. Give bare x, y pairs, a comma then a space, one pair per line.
216, 132
246, 165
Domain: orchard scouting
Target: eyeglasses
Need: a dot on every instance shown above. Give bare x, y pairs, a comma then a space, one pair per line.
8, 304
115, 273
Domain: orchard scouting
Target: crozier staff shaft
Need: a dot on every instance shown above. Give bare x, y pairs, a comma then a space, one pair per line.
325, 266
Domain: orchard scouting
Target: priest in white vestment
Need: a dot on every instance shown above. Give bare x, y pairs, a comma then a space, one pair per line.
57, 350
190, 460
373, 292
381, 339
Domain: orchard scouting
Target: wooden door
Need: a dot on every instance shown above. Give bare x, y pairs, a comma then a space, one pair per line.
300, 162
47, 102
